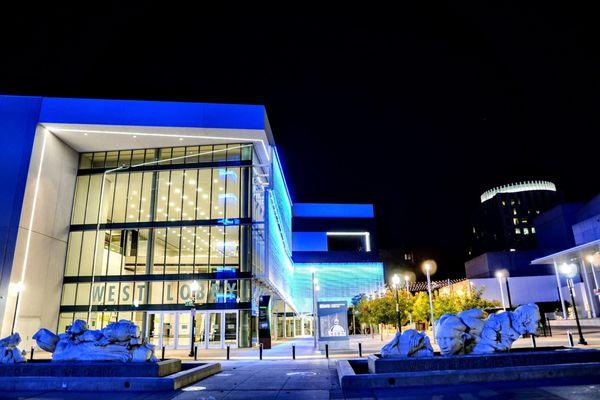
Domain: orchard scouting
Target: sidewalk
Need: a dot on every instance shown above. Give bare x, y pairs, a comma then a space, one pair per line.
282, 349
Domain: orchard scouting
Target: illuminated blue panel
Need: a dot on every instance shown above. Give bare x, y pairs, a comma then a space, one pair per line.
309, 241
152, 113
324, 210
336, 282
18, 120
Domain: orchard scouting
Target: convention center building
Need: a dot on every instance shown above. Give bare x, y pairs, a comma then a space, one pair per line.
169, 214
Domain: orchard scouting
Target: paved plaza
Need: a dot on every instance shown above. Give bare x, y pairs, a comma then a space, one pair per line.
312, 376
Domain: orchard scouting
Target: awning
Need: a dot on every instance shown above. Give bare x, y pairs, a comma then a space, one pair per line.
591, 248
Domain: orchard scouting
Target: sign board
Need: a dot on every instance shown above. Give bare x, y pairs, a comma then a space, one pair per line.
333, 320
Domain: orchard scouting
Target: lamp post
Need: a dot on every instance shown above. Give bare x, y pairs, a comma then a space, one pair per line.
19, 287
569, 271
407, 280
194, 288
499, 275
396, 283
314, 306
430, 265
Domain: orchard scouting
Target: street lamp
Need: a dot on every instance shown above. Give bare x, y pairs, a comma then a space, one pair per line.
569, 271
407, 280
396, 283
314, 305
499, 275
430, 266
194, 288
19, 287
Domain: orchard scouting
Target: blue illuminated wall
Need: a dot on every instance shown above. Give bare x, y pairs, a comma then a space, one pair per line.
337, 281
279, 234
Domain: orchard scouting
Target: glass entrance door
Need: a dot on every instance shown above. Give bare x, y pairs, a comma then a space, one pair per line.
212, 329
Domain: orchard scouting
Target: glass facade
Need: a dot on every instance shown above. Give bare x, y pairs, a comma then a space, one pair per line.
142, 235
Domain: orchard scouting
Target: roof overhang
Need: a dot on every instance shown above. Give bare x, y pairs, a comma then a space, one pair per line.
569, 254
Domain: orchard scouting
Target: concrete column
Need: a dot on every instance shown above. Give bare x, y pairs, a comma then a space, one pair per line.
589, 290
562, 300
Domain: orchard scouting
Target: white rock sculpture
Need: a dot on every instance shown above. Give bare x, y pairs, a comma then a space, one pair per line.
9, 353
409, 343
502, 329
458, 334
468, 333
118, 341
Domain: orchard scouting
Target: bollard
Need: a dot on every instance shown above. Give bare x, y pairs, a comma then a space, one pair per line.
360, 349
293, 352
260, 350
195, 353
228, 351
31, 355
326, 350
570, 337
162, 357
533, 341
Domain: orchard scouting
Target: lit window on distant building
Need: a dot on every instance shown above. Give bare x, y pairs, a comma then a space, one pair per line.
525, 231
517, 231
532, 229
515, 221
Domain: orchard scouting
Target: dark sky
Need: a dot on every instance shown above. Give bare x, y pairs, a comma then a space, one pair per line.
417, 110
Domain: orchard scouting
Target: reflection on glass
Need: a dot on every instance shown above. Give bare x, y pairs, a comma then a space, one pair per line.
214, 329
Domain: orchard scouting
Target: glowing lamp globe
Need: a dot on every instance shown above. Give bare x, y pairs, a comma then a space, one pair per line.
568, 270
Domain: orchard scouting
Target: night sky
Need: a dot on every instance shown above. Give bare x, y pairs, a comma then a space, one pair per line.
416, 110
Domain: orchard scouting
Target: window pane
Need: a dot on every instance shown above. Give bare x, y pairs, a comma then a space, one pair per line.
172, 250
115, 258
134, 207
217, 238
205, 154
126, 293
83, 294
186, 258
162, 198
111, 159
68, 294
137, 157
120, 198
93, 203
159, 251
178, 153
218, 187
231, 197
220, 153
189, 195
79, 202
87, 253
85, 160
175, 194
124, 157
231, 245
98, 160
74, 246
201, 250
192, 152
146, 197
109, 193
203, 194
233, 152
170, 292
150, 155
156, 289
